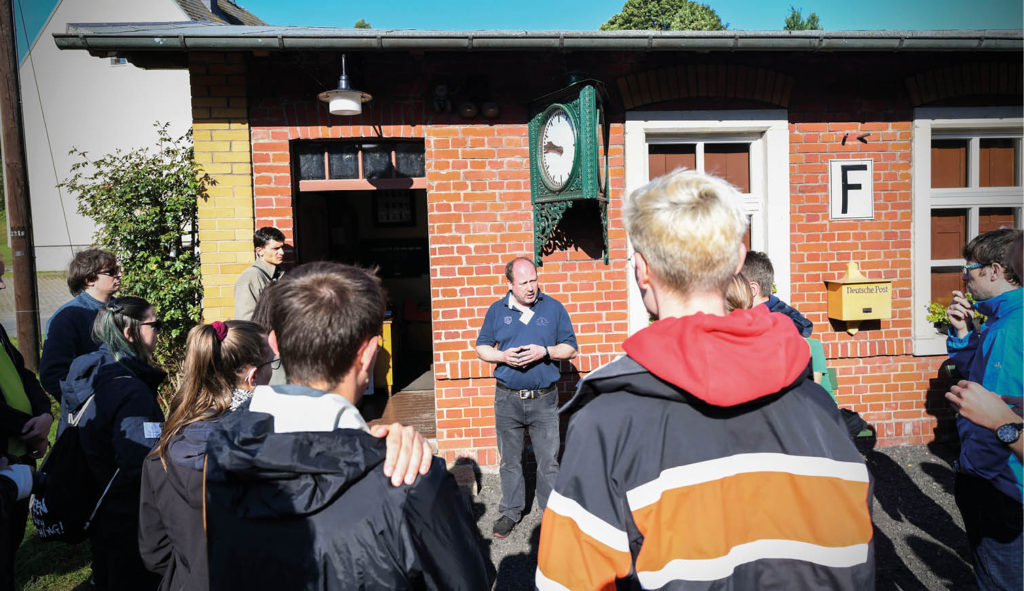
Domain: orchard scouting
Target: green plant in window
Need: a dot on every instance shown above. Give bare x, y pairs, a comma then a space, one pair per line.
937, 314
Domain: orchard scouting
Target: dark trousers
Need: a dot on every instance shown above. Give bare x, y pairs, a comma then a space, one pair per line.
13, 517
513, 416
994, 523
116, 562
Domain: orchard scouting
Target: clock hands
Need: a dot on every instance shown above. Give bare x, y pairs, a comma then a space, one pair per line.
550, 146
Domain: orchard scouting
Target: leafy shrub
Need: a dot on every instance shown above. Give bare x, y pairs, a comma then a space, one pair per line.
937, 314
145, 205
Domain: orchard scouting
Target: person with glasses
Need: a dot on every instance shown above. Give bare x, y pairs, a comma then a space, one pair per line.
116, 433
988, 483
224, 362
93, 278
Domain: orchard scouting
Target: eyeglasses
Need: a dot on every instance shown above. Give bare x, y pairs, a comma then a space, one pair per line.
275, 364
968, 268
115, 272
156, 324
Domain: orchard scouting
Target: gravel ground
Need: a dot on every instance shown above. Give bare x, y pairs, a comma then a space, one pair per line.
919, 537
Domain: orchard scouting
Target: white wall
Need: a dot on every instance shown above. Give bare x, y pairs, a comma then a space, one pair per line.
71, 99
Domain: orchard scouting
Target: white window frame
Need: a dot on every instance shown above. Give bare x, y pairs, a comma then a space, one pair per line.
767, 132
952, 123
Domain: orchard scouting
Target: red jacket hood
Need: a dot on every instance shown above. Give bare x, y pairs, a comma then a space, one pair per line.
723, 360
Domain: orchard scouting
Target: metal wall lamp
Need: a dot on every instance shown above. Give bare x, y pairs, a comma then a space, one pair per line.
344, 100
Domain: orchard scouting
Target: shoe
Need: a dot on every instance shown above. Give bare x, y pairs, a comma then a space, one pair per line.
503, 527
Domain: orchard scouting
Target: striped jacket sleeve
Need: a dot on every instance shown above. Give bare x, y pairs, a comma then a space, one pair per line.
584, 542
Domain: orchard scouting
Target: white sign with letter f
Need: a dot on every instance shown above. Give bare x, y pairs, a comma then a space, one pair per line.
851, 195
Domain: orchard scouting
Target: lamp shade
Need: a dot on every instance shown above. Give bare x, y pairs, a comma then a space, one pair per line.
344, 102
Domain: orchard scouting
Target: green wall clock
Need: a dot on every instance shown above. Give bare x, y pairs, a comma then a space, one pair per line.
568, 157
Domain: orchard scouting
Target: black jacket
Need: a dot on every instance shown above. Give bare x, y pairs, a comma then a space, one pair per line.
113, 432
171, 537
804, 326
313, 510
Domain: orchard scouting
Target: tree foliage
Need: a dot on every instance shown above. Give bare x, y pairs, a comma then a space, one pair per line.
145, 205
796, 22
362, 24
664, 15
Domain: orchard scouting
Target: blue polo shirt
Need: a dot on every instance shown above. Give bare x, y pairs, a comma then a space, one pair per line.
549, 326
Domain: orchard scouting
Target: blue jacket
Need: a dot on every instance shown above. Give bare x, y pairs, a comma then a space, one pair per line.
993, 358
68, 335
803, 325
119, 429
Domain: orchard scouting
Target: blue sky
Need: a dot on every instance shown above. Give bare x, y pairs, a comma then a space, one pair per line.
588, 15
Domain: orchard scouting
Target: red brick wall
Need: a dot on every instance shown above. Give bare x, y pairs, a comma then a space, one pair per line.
877, 374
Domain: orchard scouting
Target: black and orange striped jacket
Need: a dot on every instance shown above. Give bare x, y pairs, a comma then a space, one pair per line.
708, 459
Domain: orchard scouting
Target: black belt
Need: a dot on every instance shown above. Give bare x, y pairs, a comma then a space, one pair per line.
526, 394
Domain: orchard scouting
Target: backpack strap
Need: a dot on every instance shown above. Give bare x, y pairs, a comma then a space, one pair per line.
205, 457
75, 417
99, 501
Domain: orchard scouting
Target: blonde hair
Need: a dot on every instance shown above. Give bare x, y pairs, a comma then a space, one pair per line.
688, 226
213, 367
737, 293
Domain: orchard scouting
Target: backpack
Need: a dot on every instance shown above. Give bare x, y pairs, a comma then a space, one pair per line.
65, 501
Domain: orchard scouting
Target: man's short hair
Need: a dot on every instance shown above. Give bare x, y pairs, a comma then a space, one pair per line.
86, 266
512, 263
995, 247
758, 268
688, 227
265, 235
322, 313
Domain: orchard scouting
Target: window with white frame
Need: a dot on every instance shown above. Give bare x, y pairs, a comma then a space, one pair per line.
967, 181
749, 149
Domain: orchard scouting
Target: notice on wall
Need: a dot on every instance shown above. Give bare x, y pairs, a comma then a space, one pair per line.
851, 195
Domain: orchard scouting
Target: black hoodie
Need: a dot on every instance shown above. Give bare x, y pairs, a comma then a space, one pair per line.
313, 510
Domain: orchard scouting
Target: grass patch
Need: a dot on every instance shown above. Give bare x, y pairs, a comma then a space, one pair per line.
5, 248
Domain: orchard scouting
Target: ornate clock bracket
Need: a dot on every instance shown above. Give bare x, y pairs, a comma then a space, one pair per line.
584, 101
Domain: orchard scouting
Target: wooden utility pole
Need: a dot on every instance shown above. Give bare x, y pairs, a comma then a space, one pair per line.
19, 211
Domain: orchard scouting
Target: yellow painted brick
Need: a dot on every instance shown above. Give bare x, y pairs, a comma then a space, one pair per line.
231, 134
207, 224
203, 157
234, 202
234, 180
210, 125
211, 235
218, 212
241, 146
219, 302
215, 169
213, 146
241, 168
219, 257
209, 101
239, 112
243, 212
220, 191
201, 135
200, 113
211, 314
235, 224
242, 156
239, 125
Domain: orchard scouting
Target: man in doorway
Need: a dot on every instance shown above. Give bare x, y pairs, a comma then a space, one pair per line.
705, 458
269, 244
525, 334
93, 278
757, 267
988, 479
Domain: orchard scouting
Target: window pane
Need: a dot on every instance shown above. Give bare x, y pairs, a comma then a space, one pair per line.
944, 281
377, 162
949, 163
409, 159
311, 162
664, 158
729, 161
949, 233
746, 236
342, 163
993, 218
998, 163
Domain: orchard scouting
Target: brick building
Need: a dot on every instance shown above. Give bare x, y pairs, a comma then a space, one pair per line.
438, 194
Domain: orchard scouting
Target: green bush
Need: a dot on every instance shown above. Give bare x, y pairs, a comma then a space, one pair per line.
937, 314
145, 205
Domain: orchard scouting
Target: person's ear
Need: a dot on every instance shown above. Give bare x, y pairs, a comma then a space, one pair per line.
998, 272
643, 272
126, 331
367, 353
272, 341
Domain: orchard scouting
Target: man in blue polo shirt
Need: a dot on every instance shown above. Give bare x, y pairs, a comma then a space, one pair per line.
525, 334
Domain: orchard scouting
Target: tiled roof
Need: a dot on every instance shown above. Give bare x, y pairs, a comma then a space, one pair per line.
225, 11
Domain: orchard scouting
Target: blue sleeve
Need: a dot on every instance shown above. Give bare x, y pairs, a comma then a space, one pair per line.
565, 335
487, 335
58, 352
1005, 363
961, 351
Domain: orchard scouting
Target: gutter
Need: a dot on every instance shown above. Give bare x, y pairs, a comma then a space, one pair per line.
186, 37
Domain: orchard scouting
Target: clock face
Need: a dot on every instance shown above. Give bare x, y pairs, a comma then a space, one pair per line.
557, 148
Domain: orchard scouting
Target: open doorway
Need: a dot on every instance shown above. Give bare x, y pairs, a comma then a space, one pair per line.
364, 202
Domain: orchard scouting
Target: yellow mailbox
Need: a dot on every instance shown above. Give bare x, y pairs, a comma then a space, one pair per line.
853, 298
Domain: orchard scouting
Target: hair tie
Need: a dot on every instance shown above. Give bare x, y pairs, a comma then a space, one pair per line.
114, 306
220, 328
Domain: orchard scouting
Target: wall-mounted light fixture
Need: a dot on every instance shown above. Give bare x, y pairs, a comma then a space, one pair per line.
344, 100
